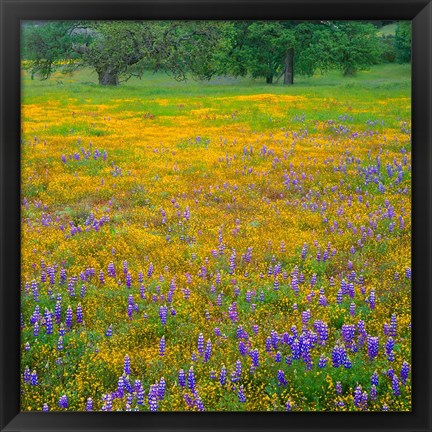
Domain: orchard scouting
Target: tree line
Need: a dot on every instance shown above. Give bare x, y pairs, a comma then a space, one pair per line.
272, 50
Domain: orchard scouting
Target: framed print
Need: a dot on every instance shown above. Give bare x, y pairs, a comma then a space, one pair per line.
216, 215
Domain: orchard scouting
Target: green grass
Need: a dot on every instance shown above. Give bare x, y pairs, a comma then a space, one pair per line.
83, 87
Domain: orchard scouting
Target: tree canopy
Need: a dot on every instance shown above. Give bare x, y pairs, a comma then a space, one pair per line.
117, 50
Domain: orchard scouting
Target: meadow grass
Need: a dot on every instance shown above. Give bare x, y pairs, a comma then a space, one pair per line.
233, 204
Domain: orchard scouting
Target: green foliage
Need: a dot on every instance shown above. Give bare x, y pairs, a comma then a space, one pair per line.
388, 49
403, 42
118, 50
47, 45
261, 48
355, 46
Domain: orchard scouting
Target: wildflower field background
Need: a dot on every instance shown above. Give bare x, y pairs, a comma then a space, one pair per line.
218, 246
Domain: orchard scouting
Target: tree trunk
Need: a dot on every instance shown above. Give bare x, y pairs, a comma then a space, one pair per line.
349, 71
269, 79
108, 77
289, 67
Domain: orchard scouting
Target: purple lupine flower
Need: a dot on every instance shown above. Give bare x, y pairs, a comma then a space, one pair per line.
120, 386
322, 362
322, 329
232, 312
163, 313
198, 402
241, 395
57, 311
162, 346
126, 365
35, 290
372, 299
295, 348
404, 372
182, 378
242, 348
306, 317
27, 346
374, 379
45, 407
278, 357
396, 386
36, 329
27, 375
62, 275
191, 379
109, 331
358, 396
393, 325
294, 284
361, 327
48, 322
389, 348
63, 401
150, 270
71, 287
338, 388
364, 400
352, 309
62, 330
408, 273
347, 363
128, 280
60, 343
89, 404
83, 291
304, 251
161, 388
101, 277
69, 317
223, 374
339, 356
107, 405
339, 297
140, 396
322, 300
34, 379
281, 377
111, 270
153, 397
348, 333
254, 355
208, 351
200, 344
373, 393
372, 346
188, 400
288, 406
79, 313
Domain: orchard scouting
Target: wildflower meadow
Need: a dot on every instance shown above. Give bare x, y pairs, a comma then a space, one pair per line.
224, 245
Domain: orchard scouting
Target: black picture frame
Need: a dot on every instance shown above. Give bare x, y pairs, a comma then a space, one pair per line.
13, 11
